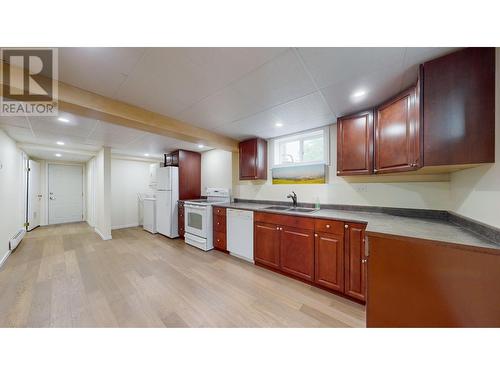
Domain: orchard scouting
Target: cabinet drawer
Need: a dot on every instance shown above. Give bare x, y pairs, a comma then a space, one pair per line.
220, 223
219, 211
220, 240
329, 226
288, 220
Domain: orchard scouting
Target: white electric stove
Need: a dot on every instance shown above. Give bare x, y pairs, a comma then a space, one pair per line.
198, 218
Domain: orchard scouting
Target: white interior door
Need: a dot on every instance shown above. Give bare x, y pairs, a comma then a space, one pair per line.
65, 193
34, 195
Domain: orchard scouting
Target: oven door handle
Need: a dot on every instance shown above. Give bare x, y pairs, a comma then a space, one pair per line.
198, 208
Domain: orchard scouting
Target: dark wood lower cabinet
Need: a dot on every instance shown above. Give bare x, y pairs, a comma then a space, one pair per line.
329, 261
267, 244
297, 252
181, 219
355, 261
325, 253
219, 228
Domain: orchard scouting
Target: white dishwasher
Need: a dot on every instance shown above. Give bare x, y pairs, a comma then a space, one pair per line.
239, 229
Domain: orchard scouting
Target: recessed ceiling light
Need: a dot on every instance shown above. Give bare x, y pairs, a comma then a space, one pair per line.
60, 143
358, 94
62, 119
58, 155
201, 146
279, 124
146, 154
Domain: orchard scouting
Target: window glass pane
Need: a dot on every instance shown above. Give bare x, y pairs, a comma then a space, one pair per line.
290, 152
313, 149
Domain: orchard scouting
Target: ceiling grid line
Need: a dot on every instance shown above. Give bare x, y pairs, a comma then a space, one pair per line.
217, 91
313, 80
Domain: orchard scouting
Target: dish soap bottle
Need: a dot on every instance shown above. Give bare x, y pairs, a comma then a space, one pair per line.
316, 204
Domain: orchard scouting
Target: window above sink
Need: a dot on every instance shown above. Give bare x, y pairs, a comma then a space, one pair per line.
310, 147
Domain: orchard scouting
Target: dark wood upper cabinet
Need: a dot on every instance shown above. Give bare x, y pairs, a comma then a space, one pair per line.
297, 252
355, 144
397, 130
459, 108
355, 261
447, 120
253, 159
189, 163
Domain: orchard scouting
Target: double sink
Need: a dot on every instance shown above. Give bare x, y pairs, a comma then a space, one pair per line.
290, 209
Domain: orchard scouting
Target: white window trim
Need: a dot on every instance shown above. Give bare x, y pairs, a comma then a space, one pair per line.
301, 135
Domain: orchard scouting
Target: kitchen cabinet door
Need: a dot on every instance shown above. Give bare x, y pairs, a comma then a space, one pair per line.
297, 252
181, 219
329, 260
459, 108
397, 134
267, 244
355, 144
253, 159
355, 261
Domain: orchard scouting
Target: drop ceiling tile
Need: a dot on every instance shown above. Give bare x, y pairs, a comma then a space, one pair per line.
113, 135
281, 80
77, 126
19, 134
379, 86
50, 155
168, 80
80, 143
301, 114
332, 65
99, 70
20, 121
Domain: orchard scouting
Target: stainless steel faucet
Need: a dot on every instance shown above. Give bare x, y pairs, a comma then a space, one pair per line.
293, 196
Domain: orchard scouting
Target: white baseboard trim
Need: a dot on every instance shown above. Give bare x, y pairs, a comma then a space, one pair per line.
105, 238
125, 226
5, 258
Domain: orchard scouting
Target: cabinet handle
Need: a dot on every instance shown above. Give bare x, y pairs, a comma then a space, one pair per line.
346, 226
338, 172
277, 228
363, 261
328, 225
315, 234
218, 223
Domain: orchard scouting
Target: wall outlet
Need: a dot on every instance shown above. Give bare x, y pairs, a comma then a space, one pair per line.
361, 188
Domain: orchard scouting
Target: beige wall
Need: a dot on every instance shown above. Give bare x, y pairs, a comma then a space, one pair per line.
103, 193
11, 192
476, 192
128, 177
216, 169
430, 195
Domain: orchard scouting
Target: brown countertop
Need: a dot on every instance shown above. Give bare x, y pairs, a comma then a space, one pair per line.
427, 229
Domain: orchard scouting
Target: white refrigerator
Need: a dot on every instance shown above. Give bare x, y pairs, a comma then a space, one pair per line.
167, 195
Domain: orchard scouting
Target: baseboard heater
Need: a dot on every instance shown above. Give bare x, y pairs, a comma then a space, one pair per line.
14, 242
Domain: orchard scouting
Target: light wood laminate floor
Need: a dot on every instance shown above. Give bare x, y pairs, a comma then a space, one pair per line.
66, 276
